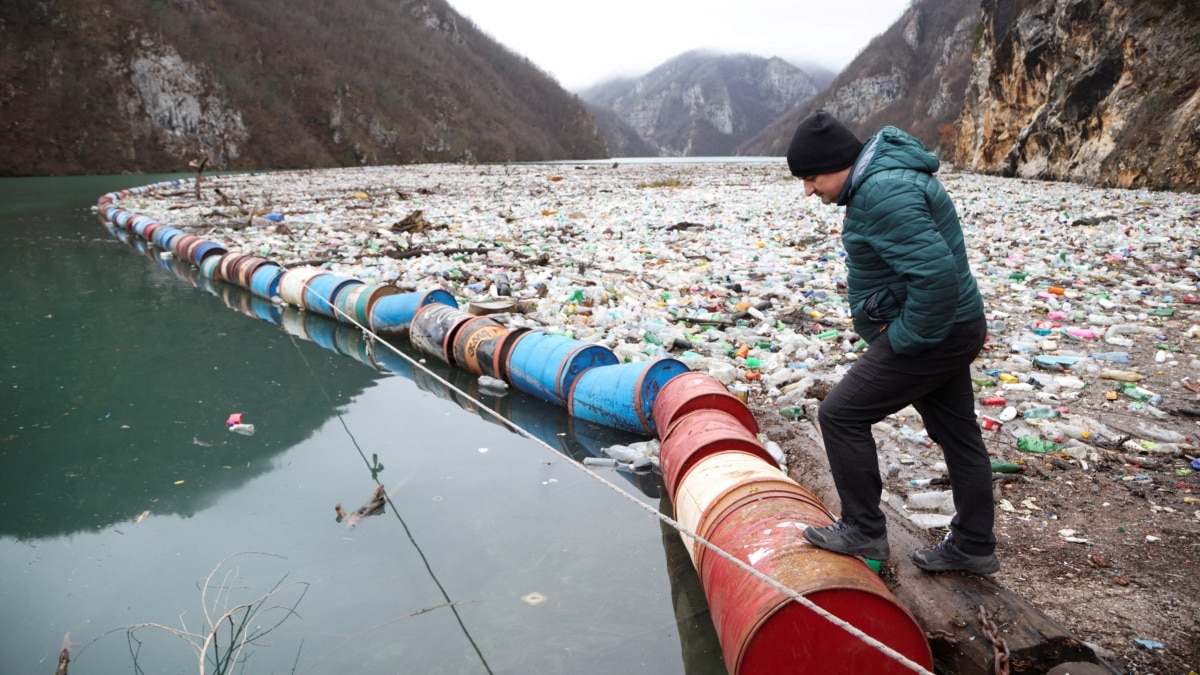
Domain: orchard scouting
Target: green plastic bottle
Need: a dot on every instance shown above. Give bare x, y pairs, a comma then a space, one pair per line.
1000, 466
1036, 445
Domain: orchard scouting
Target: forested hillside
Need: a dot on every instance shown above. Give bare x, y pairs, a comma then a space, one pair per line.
147, 85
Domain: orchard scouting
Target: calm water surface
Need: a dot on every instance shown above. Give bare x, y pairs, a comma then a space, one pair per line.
126, 503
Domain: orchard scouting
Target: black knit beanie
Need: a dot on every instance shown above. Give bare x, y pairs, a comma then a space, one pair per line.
820, 145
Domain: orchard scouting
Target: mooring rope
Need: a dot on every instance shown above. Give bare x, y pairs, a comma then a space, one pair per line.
408, 532
671, 522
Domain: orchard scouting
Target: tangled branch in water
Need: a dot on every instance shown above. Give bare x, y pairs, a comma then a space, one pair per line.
231, 626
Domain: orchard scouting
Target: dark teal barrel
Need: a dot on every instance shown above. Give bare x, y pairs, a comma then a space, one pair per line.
545, 364
393, 314
353, 342
265, 282
320, 294
622, 396
434, 328
208, 268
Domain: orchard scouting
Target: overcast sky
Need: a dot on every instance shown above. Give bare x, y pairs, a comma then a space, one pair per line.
582, 42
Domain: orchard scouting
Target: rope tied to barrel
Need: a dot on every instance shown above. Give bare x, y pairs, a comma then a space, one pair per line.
670, 522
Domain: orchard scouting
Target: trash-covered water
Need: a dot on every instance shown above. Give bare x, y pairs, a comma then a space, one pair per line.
134, 517
1092, 294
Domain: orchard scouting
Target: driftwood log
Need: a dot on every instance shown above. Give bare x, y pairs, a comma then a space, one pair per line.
947, 605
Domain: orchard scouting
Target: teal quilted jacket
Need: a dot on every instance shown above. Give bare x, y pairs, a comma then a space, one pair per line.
906, 259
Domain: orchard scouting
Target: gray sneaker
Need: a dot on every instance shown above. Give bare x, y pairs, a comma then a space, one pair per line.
946, 557
844, 537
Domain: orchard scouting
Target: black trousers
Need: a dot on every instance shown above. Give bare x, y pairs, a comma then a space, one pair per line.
938, 384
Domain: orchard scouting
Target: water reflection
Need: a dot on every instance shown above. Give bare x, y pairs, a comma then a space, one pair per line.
548, 423
83, 390
117, 381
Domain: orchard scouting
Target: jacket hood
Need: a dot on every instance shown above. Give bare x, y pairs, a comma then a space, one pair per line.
891, 148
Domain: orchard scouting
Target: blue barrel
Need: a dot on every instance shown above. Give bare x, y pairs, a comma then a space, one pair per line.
265, 282
123, 218
138, 223
321, 329
392, 362
266, 310
546, 365
206, 249
393, 314
321, 293
164, 235
622, 396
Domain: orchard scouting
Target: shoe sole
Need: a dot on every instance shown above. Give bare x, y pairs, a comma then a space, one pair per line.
989, 569
872, 555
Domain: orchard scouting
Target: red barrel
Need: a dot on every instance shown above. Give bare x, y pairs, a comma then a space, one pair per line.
699, 434
762, 630
245, 268
469, 340
695, 391
226, 268
180, 244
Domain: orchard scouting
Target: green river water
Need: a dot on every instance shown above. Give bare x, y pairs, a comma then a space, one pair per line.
131, 519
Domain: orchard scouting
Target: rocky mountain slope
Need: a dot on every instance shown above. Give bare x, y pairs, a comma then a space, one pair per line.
702, 103
1106, 93
912, 76
131, 86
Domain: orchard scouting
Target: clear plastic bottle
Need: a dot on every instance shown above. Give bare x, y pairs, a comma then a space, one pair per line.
1041, 413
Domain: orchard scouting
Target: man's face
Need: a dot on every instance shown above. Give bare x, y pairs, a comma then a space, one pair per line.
827, 186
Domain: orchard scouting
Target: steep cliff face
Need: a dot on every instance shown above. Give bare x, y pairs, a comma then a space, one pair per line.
1094, 91
911, 76
91, 86
704, 104
177, 106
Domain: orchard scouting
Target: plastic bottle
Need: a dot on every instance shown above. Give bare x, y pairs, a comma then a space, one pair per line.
792, 412
1112, 357
911, 435
1000, 466
1041, 413
1156, 433
492, 384
1036, 445
941, 501
776, 452
1121, 375
243, 429
599, 461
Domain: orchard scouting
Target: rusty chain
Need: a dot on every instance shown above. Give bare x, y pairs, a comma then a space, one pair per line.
999, 646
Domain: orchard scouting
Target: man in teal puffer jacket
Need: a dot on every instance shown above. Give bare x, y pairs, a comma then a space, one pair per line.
914, 299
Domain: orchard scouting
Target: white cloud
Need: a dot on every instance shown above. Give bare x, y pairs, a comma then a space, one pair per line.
581, 43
